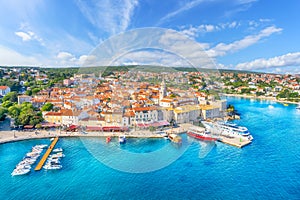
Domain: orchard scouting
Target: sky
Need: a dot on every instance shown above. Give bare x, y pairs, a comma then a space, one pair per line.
257, 35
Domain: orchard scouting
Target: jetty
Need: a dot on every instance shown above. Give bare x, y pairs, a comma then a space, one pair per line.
46, 155
236, 142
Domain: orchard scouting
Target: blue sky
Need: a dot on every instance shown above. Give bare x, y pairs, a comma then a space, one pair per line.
260, 35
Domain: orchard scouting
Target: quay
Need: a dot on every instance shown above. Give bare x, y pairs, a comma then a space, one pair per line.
44, 158
236, 142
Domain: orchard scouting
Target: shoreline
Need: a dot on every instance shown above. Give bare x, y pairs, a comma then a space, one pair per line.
16, 136
260, 98
32, 136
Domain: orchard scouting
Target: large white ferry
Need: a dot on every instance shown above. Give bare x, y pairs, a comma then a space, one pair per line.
228, 129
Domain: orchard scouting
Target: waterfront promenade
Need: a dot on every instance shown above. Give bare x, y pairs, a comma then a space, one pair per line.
12, 136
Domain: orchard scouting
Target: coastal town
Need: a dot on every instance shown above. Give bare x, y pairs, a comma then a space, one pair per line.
129, 100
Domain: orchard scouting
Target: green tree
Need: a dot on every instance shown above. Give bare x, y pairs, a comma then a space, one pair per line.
28, 92
47, 107
36, 90
3, 112
14, 111
11, 96
7, 104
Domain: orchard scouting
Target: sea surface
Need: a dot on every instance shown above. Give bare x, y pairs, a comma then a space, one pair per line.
269, 168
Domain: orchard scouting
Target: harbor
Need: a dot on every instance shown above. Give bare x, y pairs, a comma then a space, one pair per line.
12, 136
44, 158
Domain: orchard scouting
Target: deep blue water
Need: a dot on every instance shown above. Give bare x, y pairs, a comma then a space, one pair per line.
269, 168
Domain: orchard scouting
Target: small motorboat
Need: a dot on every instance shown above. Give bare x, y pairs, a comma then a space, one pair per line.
18, 172
122, 139
175, 138
108, 139
52, 166
58, 150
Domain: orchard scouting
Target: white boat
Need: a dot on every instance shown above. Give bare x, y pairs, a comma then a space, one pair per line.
122, 139
58, 150
41, 146
298, 107
50, 166
228, 129
23, 166
18, 172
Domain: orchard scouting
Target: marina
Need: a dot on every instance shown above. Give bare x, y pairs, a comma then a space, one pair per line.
44, 158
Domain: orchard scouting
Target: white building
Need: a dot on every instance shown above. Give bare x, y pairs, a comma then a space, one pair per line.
24, 98
4, 90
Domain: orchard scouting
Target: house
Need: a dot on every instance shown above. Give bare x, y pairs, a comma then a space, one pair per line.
187, 113
24, 98
4, 90
209, 111
69, 117
144, 114
53, 117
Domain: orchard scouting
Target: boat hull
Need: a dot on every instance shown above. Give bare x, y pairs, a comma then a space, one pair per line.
201, 137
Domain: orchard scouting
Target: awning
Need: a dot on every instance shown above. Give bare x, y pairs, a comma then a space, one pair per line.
154, 124
49, 125
28, 126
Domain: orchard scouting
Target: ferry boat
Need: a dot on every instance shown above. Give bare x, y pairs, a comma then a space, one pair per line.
228, 129
201, 134
122, 139
175, 138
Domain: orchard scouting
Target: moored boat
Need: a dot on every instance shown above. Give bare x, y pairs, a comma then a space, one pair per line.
201, 134
175, 138
122, 139
52, 166
57, 150
18, 172
228, 129
108, 139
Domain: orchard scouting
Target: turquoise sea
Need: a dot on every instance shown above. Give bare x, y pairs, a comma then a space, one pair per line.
269, 168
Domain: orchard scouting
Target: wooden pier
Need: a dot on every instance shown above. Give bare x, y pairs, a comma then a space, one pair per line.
44, 158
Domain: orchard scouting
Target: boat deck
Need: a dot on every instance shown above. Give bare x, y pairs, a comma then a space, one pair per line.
44, 158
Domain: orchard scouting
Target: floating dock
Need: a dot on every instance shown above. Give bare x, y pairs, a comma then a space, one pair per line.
44, 158
237, 142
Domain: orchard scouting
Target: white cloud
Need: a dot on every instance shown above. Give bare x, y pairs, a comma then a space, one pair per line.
223, 49
287, 60
26, 34
68, 59
23, 35
111, 16
86, 60
182, 9
10, 57
195, 31
65, 56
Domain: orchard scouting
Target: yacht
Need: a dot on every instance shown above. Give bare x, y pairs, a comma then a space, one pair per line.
21, 171
228, 129
201, 134
58, 150
52, 166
